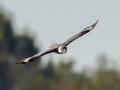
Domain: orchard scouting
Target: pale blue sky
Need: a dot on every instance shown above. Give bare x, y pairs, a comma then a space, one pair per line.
54, 21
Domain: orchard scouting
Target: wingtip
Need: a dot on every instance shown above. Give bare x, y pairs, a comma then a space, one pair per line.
97, 21
20, 62
95, 24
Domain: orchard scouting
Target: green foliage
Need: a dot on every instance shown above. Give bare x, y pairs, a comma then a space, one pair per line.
60, 77
13, 48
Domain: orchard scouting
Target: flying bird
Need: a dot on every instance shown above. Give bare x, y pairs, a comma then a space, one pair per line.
58, 48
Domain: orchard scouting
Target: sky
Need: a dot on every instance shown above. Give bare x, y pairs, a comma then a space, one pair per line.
54, 21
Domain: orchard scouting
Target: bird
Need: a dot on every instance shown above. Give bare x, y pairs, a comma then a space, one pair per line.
58, 48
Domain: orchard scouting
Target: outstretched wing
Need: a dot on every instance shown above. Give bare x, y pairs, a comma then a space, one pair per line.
32, 58
84, 31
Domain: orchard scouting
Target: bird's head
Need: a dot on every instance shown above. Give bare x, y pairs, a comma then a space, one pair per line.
62, 49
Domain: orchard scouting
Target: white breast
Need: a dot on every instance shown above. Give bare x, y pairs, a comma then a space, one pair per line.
60, 51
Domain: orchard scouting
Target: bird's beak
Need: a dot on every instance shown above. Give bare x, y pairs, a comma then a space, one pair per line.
65, 51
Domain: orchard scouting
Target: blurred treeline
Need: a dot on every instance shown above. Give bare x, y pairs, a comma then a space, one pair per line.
14, 47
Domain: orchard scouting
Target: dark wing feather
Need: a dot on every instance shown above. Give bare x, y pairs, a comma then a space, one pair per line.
86, 30
32, 58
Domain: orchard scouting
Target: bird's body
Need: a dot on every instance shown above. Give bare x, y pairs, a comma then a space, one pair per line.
61, 49
58, 48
